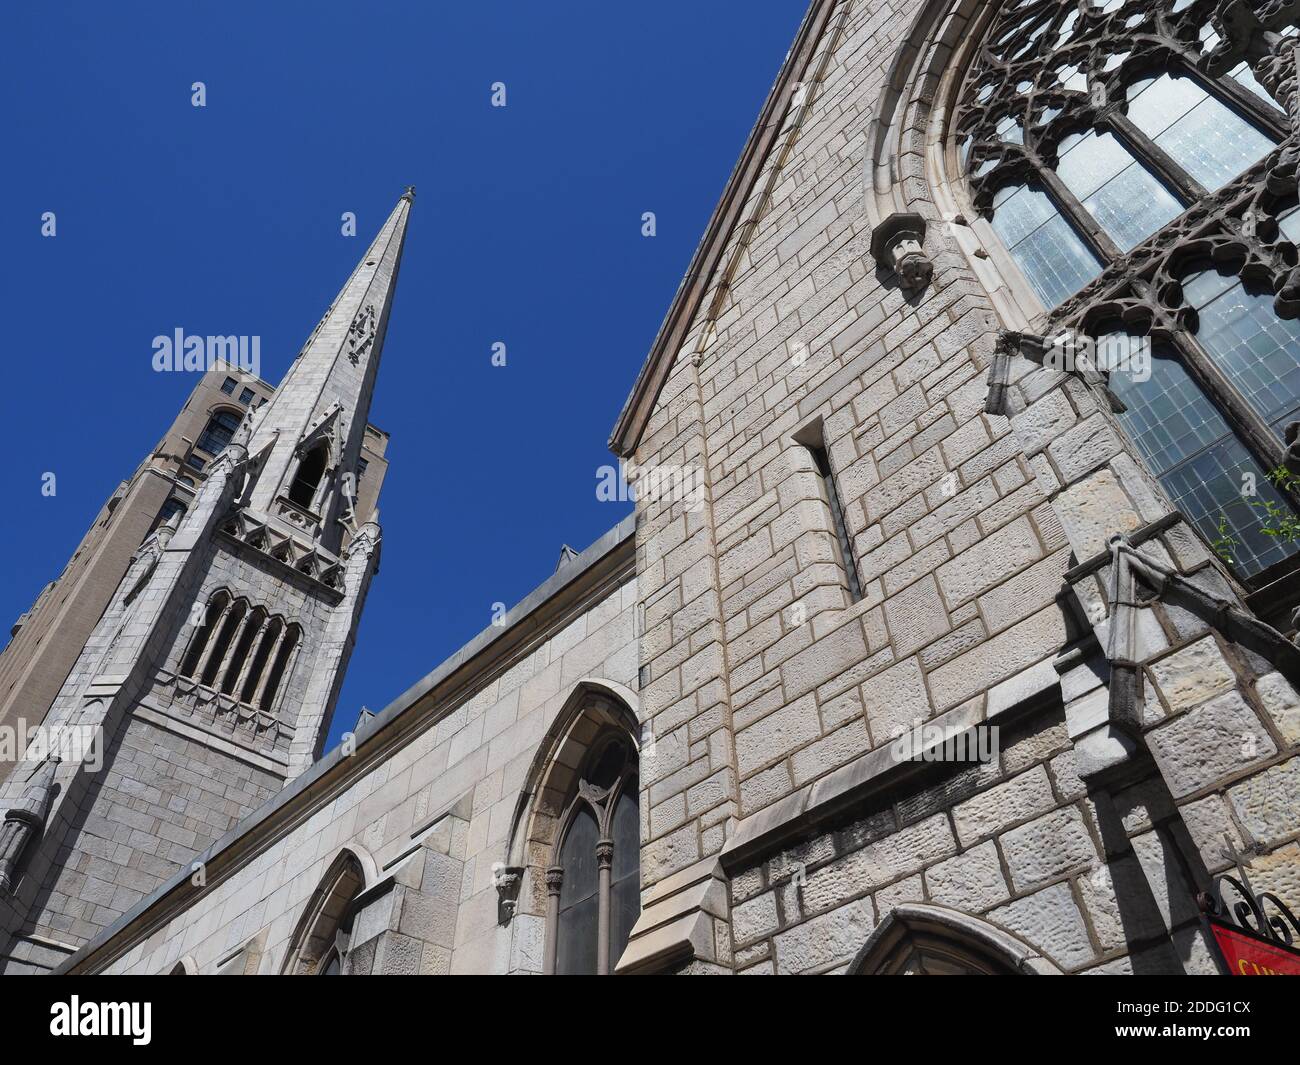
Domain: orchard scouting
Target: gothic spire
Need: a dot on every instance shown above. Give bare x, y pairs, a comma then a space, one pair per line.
307, 440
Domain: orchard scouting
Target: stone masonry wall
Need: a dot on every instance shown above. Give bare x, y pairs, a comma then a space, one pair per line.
443, 801
959, 557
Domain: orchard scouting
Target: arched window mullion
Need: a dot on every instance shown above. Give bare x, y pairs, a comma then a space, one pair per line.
1146, 150
1249, 426
1267, 119
1097, 239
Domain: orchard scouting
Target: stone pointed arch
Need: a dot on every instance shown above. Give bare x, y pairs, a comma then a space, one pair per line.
595, 707
934, 940
593, 703
327, 911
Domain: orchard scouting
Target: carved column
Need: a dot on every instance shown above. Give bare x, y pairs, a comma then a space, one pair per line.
268, 668
214, 637
228, 659
604, 861
249, 658
554, 881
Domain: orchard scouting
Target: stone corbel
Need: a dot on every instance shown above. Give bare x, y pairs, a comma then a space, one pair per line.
898, 244
507, 879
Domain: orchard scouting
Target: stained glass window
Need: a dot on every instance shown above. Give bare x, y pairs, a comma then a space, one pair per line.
1092, 168
1258, 351
599, 860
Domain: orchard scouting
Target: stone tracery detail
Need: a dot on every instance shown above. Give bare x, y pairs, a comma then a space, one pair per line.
1049, 76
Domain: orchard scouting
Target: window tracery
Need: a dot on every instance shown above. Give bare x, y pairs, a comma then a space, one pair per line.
1137, 162
593, 884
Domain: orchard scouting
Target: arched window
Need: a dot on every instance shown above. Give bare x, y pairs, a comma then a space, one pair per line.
319, 945
306, 481
220, 429
279, 664
239, 660
270, 638
594, 882
920, 939
1191, 449
212, 617
1115, 151
216, 654
170, 507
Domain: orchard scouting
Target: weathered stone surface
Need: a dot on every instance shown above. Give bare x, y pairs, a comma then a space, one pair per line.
1193, 674
906, 851
1279, 873
832, 937
971, 881
895, 699
1282, 705
1022, 797
989, 562
778, 734
1054, 844
1043, 421
1093, 510
915, 616
1002, 656
1205, 744
828, 657
1049, 920
1266, 804
754, 919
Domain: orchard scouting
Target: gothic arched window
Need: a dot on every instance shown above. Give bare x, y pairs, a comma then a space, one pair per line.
319, 945
287, 643
216, 654
1124, 156
213, 615
594, 883
306, 481
270, 638
170, 507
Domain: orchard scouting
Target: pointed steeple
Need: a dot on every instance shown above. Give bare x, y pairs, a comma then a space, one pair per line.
307, 439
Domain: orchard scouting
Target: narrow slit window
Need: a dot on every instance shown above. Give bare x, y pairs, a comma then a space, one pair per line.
823, 463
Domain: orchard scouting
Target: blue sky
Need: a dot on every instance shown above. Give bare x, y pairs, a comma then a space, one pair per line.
225, 220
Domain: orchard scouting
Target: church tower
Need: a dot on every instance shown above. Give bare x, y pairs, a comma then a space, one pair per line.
210, 680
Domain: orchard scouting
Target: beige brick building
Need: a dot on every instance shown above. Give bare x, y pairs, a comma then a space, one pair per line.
949, 633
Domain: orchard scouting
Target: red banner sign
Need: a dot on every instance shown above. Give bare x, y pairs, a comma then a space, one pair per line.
1248, 955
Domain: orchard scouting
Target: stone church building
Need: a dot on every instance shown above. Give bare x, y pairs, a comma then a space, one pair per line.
953, 630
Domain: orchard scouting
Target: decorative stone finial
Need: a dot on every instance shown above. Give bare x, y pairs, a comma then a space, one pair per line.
897, 244
409, 194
